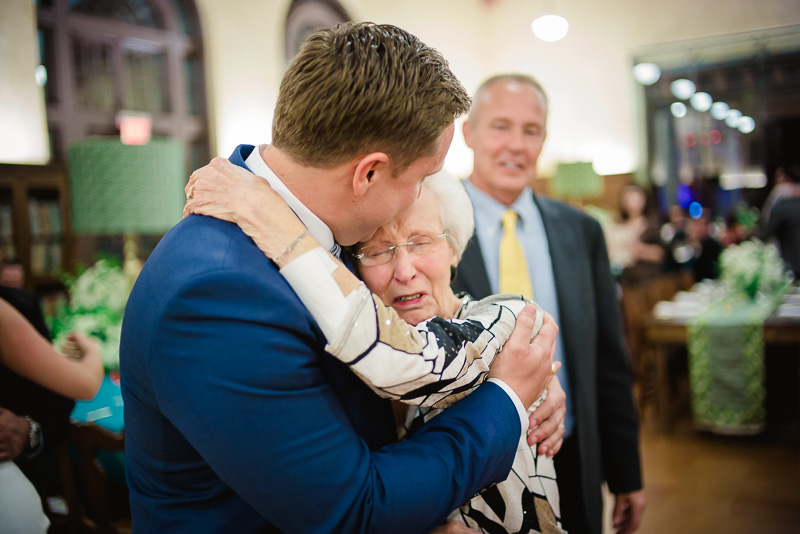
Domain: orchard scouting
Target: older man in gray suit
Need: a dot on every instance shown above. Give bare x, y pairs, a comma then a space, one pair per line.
566, 268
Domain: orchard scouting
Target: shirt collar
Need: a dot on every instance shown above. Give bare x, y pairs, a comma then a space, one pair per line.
489, 211
315, 226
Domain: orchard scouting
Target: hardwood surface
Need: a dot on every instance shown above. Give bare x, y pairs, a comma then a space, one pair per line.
698, 483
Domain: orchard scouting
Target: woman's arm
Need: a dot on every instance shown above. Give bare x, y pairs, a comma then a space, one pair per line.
434, 364
25, 352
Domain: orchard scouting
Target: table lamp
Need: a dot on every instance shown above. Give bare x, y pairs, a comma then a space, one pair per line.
576, 180
126, 189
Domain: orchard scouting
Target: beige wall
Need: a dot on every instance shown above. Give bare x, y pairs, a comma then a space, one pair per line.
23, 127
594, 110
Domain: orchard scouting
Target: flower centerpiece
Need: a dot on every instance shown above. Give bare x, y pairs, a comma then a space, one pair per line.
97, 298
753, 267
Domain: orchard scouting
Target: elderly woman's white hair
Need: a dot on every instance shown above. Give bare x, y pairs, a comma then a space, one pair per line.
455, 208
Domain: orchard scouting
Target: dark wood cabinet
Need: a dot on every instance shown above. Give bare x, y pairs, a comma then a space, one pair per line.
35, 224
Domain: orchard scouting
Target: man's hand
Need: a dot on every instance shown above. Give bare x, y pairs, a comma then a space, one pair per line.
13, 435
628, 511
525, 365
453, 527
547, 421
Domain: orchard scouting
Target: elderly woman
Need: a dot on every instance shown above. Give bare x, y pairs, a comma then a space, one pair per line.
407, 266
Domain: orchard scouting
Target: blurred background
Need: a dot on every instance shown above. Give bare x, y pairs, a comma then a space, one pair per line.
205, 74
108, 105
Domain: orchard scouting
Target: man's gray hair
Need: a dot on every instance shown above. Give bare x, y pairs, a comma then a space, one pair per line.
511, 77
455, 209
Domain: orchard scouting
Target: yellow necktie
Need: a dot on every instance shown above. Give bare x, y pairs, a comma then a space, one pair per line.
514, 276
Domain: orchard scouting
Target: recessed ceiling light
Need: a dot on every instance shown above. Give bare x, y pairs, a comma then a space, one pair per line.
550, 28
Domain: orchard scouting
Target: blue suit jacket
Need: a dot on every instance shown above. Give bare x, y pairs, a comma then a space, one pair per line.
237, 420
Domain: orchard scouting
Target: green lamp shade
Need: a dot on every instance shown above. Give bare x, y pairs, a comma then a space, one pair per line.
576, 180
116, 188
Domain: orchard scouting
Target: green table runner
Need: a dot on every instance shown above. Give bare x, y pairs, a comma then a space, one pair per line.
726, 366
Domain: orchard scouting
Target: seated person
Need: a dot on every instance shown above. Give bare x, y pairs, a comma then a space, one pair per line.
444, 357
12, 274
28, 360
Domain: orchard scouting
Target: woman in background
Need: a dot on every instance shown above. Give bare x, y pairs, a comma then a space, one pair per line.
644, 254
24, 353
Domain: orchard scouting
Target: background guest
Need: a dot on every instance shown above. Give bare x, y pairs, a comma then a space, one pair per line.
12, 274
706, 249
564, 264
786, 186
640, 225
675, 239
783, 223
36, 385
734, 232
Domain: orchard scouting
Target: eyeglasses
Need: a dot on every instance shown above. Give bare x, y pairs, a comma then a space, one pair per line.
381, 254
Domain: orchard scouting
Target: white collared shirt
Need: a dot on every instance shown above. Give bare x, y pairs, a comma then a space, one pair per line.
315, 226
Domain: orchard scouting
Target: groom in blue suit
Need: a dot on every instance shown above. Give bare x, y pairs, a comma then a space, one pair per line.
236, 419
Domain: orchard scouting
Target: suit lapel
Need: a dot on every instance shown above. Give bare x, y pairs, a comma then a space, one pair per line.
565, 255
471, 274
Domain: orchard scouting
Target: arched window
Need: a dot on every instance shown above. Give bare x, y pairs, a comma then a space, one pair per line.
307, 16
105, 56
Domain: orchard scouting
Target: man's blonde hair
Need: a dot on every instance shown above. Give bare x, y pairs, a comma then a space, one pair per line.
358, 88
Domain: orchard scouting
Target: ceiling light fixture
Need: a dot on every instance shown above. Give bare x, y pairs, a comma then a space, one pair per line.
701, 101
746, 124
683, 88
646, 73
550, 28
719, 110
678, 110
732, 118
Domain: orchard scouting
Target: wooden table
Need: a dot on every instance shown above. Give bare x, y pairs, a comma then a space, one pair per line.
659, 334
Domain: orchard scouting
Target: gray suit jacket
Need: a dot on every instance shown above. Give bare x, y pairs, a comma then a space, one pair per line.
598, 367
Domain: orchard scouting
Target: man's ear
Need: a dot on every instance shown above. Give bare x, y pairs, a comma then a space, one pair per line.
368, 170
467, 131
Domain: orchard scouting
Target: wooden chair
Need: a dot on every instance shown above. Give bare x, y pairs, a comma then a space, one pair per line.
86, 491
637, 305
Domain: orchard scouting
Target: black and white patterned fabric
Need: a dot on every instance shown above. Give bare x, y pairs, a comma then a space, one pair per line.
528, 500
437, 362
432, 366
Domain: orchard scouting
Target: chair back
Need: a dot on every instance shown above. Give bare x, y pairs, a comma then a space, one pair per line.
86, 491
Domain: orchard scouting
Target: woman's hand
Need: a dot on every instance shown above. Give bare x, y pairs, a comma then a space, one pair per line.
223, 190
85, 354
229, 192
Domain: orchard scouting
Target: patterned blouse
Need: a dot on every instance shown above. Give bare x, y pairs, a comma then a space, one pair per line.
431, 366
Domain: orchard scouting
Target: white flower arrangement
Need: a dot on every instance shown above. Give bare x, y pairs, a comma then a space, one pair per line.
753, 267
97, 298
